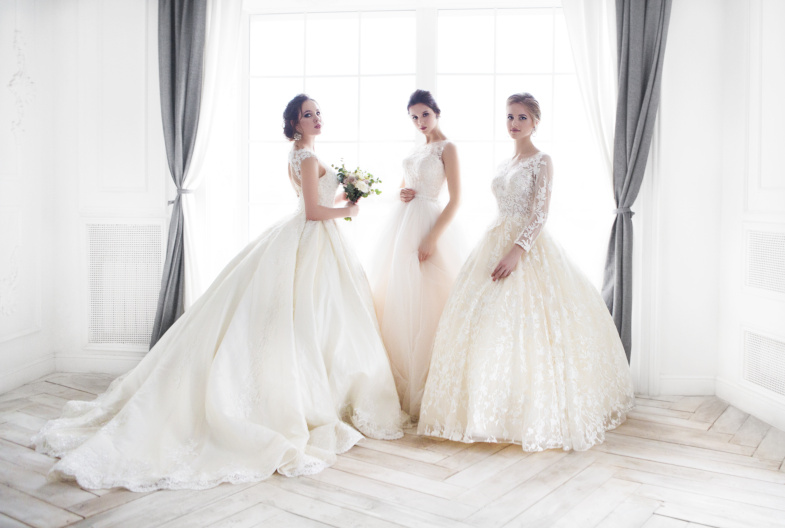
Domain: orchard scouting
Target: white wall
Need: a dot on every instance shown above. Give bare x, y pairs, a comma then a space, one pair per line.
26, 194
753, 201
88, 149
687, 170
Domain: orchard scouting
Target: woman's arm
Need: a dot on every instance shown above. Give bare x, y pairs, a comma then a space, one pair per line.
309, 171
452, 171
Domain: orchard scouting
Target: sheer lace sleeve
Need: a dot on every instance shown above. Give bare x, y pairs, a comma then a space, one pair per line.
541, 198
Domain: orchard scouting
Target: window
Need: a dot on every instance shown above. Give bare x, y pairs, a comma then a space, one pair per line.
361, 67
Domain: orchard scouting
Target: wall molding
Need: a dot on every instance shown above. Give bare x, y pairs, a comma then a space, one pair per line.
687, 385
27, 373
760, 403
104, 361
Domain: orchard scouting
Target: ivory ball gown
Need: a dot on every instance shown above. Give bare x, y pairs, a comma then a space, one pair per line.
409, 294
534, 358
278, 366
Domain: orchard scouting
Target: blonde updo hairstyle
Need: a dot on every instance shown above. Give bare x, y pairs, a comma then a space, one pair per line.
531, 104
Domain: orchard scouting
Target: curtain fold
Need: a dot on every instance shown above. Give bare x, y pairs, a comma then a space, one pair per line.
591, 27
210, 156
181, 40
642, 30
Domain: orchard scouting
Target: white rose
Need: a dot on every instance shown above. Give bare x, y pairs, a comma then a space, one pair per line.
362, 186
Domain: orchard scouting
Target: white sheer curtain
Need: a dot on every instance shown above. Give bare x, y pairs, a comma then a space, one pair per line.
221, 60
591, 26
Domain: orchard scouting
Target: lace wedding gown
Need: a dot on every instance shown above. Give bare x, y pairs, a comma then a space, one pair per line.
276, 367
533, 358
409, 295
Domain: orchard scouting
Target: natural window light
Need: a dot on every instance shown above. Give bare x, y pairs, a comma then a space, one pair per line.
361, 68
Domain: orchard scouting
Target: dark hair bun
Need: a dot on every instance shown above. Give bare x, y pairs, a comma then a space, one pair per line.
291, 115
424, 97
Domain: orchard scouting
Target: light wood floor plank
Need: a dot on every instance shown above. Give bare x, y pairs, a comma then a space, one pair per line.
710, 511
674, 463
669, 420
395, 494
679, 435
35, 512
772, 447
729, 421
399, 513
525, 495
751, 432
556, 504
710, 410
632, 512
597, 506
8, 522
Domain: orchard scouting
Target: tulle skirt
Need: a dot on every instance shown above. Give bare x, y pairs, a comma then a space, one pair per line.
278, 366
409, 295
532, 359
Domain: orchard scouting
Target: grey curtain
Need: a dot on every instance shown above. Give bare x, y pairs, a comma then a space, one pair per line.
642, 29
181, 36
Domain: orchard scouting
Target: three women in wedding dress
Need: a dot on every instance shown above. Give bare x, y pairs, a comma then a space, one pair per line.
280, 365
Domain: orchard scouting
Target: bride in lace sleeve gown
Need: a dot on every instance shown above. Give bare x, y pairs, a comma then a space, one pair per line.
526, 351
278, 366
418, 255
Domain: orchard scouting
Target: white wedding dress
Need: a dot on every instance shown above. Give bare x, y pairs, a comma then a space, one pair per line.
278, 366
534, 358
409, 294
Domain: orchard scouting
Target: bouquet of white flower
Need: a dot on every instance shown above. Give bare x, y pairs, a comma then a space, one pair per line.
356, 184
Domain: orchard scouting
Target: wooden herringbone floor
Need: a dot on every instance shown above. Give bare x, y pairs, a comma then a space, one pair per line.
677, 462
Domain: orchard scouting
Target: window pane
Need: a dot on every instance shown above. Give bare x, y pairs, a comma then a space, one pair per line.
331, 43
385, 160
269, 35
569, 121
540, 86
335, 153
465, 41
267, 100
383, 107
337, 98
478, 208
388, 42
524, 41
466, 102
268, 176
564, 62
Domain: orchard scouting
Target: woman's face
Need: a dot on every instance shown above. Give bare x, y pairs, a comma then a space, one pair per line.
423, 118
310, 119
520, 122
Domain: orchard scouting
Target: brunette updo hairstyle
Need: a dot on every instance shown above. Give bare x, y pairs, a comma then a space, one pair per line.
291, 115
527, 100
424, 97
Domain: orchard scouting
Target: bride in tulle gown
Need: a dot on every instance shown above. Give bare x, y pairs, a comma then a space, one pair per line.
418, 255
278, 366
526, 351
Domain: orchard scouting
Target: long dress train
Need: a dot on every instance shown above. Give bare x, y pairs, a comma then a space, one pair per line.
278, 366
409, 295
533, 358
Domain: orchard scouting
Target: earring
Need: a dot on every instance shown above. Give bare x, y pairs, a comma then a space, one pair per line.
297, 136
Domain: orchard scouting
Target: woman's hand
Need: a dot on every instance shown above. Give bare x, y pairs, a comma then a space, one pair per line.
508, 263
426, 249
407, 194
352, 209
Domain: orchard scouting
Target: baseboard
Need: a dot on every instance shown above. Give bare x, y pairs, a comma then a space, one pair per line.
762, 404
114, 362
27, 373
687, 385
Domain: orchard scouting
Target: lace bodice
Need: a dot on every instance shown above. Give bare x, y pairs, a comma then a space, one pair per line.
424, 170
523, 193
327, 183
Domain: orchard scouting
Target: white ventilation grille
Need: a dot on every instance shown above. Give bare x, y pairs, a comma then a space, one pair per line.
124, 266
764, 362
766, 260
